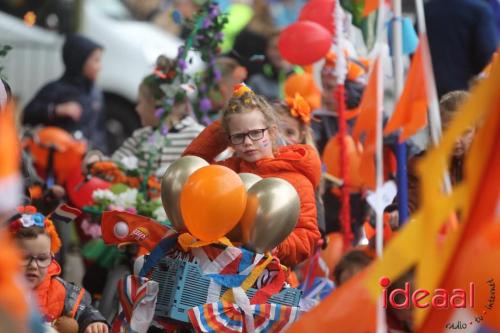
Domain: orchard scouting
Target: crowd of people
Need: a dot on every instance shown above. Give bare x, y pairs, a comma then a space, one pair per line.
268, 117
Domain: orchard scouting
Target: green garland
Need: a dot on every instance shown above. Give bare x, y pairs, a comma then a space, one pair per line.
205, 37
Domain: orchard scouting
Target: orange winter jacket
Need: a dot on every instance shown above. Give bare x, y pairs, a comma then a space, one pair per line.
57, 298
298, 164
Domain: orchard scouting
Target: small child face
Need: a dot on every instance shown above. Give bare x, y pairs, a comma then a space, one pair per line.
250, 136
36, 258
463, 143
93, 66
290, 128
146, 108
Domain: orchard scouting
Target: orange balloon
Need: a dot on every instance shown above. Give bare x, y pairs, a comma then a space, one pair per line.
331, 158
212, 201
478, 263
304, 85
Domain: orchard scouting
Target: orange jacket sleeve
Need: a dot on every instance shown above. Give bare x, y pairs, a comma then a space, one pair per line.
209, 143
301, 243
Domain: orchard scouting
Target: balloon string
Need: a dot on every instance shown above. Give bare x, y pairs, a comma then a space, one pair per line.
345, 211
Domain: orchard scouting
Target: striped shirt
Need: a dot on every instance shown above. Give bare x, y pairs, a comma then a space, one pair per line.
147, 140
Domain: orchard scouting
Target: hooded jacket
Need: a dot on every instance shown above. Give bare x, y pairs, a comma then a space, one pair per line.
57, 297
72, 86
298, 164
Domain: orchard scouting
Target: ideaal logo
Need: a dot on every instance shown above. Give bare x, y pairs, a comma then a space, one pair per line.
439, 299
488, 306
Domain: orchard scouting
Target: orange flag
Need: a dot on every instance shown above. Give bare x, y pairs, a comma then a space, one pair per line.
366, 124
410, 114
350, 308
10, 179
122, 227
473, 256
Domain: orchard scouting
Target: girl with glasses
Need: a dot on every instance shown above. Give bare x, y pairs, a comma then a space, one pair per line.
38, 241
249, 126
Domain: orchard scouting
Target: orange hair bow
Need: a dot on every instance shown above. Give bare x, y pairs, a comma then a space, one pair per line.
299, 108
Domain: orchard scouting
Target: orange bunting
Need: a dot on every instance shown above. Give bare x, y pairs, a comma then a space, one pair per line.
410, 114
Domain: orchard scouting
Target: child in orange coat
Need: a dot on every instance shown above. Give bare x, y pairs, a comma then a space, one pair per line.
58, 300
249, 126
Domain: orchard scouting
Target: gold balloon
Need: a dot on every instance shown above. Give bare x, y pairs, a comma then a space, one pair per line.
171, 186
249, 179
272, 211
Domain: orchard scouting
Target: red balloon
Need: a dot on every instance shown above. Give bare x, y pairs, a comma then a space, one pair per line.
319, 11
304, 42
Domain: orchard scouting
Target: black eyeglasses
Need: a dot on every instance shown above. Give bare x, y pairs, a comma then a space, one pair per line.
42, 260
254, 135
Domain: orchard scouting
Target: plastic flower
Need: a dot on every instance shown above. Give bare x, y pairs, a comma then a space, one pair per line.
103, 195
299, 108
130, 163
182, 64
205, 104
127, 199
159, 112
159, 214
217, 75
30, 220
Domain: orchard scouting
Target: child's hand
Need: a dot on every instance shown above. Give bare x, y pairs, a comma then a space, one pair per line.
71, 110
97, 328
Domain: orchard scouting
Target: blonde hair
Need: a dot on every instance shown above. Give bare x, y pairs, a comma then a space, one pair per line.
450, 103
248, 102
283, 109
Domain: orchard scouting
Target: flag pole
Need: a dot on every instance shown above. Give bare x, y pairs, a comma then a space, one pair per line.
379, 222
339, 95
434, 115
397, 52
